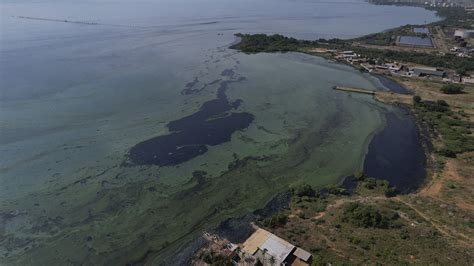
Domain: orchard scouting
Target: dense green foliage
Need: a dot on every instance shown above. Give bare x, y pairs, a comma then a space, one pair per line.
302, 190
258, 43
452, 89
368, 216
262, 43
370, 183
215, 259
455, 132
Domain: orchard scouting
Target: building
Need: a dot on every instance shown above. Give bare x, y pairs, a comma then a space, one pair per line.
270, 249
427, 71
394, 67
464, 34
468, 80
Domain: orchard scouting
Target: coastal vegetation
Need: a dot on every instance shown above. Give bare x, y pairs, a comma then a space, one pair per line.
262, 43
367, 228
371, 186
453, 127
373, 223
214, 259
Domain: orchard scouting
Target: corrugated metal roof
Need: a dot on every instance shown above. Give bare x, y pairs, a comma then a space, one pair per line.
252, 244
302, 254
277, 247
419, 71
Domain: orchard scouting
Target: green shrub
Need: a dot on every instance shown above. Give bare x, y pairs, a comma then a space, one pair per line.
416, 99
452, 89
370, 183
367, 216
303, 190
390, 192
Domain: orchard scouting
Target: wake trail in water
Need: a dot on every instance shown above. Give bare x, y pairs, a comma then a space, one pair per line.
93, 23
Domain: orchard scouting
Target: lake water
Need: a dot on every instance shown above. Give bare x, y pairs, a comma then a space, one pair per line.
81, 105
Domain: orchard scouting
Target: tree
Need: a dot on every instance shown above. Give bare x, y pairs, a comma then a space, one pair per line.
416, 99
452, 89
272, 261
442, 103
264, 252
462, 71
390, 191
249, 260
303, 190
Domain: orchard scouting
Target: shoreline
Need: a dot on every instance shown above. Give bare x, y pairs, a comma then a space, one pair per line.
424, 136
227, 228
423, 139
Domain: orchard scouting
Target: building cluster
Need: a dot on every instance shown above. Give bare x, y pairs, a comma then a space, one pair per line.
379, 66
462, 37
440, 4
448, 3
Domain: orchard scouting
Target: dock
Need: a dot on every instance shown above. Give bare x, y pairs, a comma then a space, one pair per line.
356, 90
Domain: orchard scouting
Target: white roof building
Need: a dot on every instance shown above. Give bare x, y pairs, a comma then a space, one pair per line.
277, 248
266, 247
463, 33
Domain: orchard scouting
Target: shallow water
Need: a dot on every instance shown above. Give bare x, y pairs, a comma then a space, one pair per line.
76, 99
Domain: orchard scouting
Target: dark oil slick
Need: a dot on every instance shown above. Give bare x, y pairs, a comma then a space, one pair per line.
213, 124
396, 154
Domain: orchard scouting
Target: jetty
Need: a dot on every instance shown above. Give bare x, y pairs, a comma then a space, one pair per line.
356, 90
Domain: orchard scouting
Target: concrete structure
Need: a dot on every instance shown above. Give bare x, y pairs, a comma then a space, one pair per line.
463, 33
428, 71
468, 80
302, 257
273, 250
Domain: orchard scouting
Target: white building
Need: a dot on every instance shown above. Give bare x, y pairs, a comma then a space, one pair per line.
463, 33
269, 249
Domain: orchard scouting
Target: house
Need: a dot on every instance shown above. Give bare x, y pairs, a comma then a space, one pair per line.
428, 71
270, 249
348, 55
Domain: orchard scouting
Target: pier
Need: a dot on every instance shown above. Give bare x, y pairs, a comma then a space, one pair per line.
356, 90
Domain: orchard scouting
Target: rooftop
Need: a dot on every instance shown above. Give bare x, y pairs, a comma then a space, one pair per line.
252, 244
277, 247
302, 254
